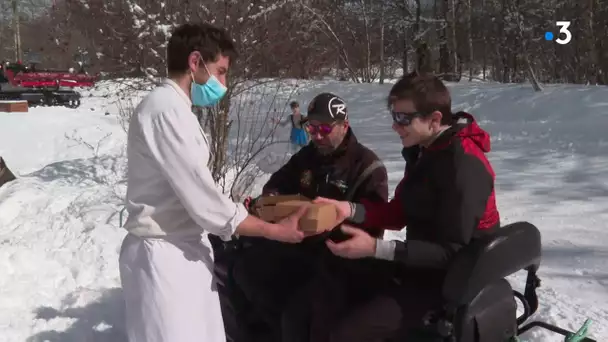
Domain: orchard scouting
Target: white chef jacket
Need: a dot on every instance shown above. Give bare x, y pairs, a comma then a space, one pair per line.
166, 262
170, 190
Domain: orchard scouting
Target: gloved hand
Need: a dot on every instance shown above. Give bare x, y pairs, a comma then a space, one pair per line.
337, 235
249, 203
359, 244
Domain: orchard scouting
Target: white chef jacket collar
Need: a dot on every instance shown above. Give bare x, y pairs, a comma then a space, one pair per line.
179, 90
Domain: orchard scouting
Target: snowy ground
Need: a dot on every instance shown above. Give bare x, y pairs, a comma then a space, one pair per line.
59, 232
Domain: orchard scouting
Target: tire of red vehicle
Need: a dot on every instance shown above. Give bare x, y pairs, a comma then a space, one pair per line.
73, 103
51, 101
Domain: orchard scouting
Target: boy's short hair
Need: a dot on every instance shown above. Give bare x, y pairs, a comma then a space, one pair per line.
207, 39
294, 104
426, 91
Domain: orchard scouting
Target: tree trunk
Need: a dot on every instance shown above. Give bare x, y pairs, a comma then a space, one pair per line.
404, 59
424, 58
485, 42
437, 27
452, 23
17, 32
591, 39
421, 47
217, 125
382, 63
470, 38
601, 41
2, 28
367, 73
444, 52
504, 47
524, 52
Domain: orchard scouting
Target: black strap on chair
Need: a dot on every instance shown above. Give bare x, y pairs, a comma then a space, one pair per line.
530, 302
529, 299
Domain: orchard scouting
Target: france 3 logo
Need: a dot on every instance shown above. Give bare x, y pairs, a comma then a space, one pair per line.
563, 25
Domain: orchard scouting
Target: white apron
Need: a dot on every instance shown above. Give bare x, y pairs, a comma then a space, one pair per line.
169, 290
166, 260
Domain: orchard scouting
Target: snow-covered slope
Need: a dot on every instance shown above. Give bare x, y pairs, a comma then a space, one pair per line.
59, 235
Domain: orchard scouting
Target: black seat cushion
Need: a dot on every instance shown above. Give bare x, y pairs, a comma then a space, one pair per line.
511, 248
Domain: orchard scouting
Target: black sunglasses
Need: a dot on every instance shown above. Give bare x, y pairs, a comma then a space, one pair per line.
404, 118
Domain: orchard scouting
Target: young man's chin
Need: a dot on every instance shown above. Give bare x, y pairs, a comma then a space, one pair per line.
410, 141
406, 143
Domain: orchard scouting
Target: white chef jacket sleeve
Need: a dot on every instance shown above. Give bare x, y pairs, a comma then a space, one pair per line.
173, 144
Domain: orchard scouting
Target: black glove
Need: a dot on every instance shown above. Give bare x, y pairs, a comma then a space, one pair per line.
250, 202
247, 202
337, 235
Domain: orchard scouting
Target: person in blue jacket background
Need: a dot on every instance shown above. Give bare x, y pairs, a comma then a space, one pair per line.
298, 136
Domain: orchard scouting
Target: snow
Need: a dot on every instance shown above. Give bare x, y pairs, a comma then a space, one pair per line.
59, 231
12, 101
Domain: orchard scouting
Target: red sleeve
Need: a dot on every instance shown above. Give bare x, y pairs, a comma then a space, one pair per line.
385, 215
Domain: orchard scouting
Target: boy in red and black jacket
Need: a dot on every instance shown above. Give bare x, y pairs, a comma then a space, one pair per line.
445, 200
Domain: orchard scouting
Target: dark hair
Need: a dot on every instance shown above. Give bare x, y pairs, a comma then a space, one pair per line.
207, 39
294, 104
426, 91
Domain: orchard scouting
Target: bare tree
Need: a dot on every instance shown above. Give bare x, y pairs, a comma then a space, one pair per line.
382, 59
470, 38
524, 53
304, 38
240, 141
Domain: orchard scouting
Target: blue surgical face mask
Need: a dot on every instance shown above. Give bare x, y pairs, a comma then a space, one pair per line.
208, 94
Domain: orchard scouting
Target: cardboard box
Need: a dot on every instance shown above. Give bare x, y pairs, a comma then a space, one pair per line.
14, 106
318, 219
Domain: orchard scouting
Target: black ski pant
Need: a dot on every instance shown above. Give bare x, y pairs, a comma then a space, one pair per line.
271, 273
339, 310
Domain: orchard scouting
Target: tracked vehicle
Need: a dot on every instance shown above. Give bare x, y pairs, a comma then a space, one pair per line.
42, 87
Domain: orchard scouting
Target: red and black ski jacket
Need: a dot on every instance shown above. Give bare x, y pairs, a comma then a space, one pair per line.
445, 199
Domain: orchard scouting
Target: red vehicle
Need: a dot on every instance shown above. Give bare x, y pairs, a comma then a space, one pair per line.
42, 87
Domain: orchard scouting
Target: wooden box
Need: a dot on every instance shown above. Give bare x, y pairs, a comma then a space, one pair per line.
319, 217
14, 106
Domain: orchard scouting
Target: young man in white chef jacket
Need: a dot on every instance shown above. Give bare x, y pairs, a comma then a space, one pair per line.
166, 260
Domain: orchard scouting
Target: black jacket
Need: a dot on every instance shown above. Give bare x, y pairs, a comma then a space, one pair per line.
312, 174
445, 199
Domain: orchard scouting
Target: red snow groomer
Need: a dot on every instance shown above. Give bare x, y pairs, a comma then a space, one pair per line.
42, 87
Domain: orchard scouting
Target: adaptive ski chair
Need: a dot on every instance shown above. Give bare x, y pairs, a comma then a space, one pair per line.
480, 304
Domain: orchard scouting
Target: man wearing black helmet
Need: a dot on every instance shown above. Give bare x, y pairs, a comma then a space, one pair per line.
334, 165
